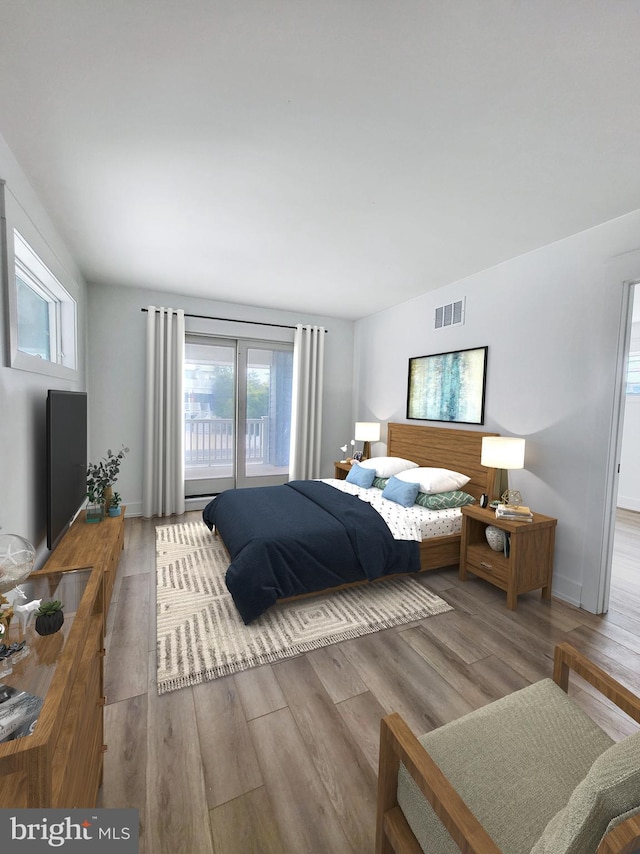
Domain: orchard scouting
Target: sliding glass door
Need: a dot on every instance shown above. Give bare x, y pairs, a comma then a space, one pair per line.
237, 413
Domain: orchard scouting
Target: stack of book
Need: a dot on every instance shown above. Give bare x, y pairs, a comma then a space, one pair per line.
514, 512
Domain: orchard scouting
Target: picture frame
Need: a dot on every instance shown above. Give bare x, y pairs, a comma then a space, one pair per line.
448, 386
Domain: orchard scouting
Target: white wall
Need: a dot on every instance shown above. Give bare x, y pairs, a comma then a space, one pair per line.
117, 329
629, 483
23, 394
551, 320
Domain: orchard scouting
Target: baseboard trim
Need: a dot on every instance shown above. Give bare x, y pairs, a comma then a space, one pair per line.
628, 503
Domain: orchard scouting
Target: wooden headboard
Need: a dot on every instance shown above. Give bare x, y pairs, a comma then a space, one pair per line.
444, 447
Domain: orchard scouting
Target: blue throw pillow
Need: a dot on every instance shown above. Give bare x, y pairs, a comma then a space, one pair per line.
361, 476
401, 491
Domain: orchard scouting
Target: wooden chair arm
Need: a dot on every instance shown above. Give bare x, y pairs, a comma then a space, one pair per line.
566, 658
623, 839
398, 744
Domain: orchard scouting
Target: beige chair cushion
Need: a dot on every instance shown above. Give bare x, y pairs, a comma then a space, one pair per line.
610, 791
515, 762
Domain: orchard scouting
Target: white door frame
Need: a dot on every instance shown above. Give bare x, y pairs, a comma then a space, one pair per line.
624, 269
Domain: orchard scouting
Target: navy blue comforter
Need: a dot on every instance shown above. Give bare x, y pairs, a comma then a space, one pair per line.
302, 537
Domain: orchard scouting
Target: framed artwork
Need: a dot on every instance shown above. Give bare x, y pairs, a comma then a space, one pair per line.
448, 386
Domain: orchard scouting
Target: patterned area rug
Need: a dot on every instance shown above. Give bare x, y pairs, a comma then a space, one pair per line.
201, 635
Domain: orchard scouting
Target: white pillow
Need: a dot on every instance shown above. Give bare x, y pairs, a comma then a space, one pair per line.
433, 480
388, 466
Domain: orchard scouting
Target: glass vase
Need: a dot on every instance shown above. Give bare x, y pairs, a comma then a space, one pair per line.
95, 511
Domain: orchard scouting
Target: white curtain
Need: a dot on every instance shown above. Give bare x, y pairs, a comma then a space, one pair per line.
306, 406
163, 475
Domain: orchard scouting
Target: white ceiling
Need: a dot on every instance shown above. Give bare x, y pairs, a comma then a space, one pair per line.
329, 156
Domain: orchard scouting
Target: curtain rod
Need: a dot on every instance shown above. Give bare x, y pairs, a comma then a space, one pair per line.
233, 320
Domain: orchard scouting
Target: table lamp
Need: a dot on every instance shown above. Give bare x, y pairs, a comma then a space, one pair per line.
367, 432
504, 452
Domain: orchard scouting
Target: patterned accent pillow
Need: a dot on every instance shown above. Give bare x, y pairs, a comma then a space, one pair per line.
444, 500
380, 482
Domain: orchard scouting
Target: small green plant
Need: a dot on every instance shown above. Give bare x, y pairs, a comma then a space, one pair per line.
116, 499
103, 474
49, 617
50, 607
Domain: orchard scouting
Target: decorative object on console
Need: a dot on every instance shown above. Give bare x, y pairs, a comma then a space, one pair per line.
367, 432
506, 453
26, 613
114, 506
100, 479
448, 386
49, 617
95, 511
17, 557
495, 538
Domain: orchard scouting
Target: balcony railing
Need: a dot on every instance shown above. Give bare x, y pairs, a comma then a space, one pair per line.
210, 441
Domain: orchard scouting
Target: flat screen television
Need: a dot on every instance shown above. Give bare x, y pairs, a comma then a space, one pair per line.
66, 459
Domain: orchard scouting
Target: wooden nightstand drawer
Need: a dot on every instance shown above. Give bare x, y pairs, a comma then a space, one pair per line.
482, 559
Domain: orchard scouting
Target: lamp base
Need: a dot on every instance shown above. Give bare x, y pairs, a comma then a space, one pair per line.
366, 450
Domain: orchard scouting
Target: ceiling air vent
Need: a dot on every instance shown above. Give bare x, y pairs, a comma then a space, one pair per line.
451, 314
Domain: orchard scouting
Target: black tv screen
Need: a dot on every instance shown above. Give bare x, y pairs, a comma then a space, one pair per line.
66, 459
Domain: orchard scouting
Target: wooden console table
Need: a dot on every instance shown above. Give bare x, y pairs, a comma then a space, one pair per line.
89, 543
60, 763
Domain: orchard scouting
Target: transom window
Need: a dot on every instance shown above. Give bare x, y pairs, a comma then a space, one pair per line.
44, 322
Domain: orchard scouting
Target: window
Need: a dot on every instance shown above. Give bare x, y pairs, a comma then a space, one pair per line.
43, 316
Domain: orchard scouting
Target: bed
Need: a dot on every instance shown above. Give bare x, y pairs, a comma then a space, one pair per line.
307, 537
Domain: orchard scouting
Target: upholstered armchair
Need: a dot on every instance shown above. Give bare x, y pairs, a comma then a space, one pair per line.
528, 774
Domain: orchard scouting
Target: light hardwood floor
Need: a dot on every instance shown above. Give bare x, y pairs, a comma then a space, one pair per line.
282, 759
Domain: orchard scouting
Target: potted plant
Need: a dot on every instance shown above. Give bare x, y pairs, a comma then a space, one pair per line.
49, 617
114, 507
100, 479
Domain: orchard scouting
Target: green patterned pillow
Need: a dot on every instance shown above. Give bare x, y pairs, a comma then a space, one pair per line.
380, 482
444, 500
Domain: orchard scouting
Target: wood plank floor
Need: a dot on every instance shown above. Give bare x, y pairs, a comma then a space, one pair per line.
282, 759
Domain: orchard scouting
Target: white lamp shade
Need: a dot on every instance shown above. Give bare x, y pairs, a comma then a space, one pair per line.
502, 452
367, 431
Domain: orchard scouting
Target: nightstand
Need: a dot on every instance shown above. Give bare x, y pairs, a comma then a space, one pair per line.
342, 470
529, 562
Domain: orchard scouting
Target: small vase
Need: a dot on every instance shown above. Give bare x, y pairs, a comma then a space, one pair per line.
107, 497
495, 538
114, 511
95, 511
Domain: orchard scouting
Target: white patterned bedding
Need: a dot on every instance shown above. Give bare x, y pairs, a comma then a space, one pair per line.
405, 523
